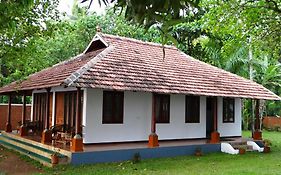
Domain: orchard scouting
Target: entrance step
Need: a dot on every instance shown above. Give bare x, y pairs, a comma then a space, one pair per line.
237, 143
233, 147
43, 160
227, 148
245, 146
24, 146
256, 146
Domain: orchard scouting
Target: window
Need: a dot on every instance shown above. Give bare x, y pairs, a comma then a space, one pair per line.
228, 110
113, 103
192, 109
162, 108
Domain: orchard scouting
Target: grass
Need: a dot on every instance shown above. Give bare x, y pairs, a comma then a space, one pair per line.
216, 163
2, 153
21, 156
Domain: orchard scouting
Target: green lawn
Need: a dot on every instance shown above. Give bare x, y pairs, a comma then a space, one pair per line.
218, 163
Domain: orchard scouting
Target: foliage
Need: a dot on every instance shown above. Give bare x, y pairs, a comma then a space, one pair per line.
136, 158
20, 22
235, 22
242, 19
10, 12
149, 13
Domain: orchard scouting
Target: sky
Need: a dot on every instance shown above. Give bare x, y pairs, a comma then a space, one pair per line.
66, 6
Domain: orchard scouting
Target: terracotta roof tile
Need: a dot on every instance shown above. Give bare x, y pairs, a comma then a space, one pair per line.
53, 76
139, 66
135, 65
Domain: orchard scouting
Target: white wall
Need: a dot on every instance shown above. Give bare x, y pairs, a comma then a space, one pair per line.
137, 118
177, 128
136, 123
229, 129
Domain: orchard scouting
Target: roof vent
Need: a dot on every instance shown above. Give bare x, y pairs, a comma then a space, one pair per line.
96, 43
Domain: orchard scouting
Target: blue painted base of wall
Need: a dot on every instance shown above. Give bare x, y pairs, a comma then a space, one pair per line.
145, 153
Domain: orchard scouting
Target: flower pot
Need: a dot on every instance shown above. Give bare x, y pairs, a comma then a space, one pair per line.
266, 149
242, 151
54, 159
198, 153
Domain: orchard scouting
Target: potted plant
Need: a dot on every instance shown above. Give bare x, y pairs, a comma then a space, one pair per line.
136, 158
267, 144
242, 149
198, 152
55, 157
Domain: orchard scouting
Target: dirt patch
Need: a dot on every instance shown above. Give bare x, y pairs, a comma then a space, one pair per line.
11, 163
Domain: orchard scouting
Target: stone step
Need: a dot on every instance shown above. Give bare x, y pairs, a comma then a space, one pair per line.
35, 144
238, 143
43, 160
27, 148
248, 147
33, 149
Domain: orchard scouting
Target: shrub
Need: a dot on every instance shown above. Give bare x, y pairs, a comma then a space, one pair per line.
136, 158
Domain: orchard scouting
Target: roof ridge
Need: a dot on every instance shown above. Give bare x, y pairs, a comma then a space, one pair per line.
67, 60
137, 41
70, 80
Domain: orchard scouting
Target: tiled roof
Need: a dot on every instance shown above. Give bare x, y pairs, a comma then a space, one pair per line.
133, 65
53, 76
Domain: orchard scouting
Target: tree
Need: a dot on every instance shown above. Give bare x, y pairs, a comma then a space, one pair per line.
69, 37
242, 19
20, 22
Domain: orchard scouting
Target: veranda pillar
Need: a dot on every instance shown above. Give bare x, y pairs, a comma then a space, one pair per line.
215, 135
47, 134
23, 129
8, 124
153, 137
257, 134
77, 140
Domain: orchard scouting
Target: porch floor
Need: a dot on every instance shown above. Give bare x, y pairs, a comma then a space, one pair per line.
162, 143
136, 145
141, 144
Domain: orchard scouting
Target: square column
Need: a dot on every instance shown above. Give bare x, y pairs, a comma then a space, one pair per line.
8, 123
23, 129
47, 134
153, 137
257, 134
215, 135
77, 140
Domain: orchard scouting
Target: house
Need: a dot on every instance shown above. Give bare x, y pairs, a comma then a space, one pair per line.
122, 90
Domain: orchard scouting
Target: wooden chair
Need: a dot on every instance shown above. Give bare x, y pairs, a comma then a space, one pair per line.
59, 136
18, 126
63, 138
32, 125
56, 130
